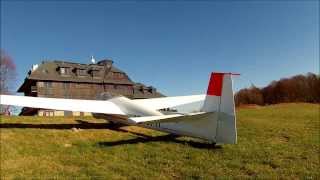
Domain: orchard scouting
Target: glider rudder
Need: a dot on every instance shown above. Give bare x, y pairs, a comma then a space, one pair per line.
220, 100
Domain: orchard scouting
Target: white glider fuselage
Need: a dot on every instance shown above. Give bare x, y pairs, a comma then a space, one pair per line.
130, 108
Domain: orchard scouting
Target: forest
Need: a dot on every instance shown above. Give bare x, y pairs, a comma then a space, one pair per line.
299, 88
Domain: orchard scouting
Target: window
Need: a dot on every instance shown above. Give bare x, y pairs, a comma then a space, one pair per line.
118, 75
66, 88
48, 84
109, 86
64, 71
45, 71
151, 89
40, 84
123, 87
48, 88
95, 73
66, 85
48, 113
81, 72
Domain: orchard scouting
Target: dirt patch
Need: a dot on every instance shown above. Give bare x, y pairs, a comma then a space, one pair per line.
279, 140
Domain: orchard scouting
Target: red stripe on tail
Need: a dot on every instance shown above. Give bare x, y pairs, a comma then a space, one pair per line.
215, 84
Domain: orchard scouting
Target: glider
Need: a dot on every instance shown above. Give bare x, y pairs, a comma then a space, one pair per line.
214, 121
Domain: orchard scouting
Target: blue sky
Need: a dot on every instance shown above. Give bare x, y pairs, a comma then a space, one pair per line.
170, 45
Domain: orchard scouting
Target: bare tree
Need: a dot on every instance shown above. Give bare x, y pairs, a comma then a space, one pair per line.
7, 78
252, 95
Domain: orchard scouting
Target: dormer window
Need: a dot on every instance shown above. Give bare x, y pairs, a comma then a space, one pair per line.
118, 75
95, 73
151, 89
81, 72
64, 71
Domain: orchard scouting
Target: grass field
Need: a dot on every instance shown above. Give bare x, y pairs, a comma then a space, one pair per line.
273, 141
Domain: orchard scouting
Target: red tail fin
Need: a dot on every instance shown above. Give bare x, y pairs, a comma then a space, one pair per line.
215, 84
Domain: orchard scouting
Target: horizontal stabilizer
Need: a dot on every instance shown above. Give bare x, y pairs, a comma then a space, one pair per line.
163, 118
167, 102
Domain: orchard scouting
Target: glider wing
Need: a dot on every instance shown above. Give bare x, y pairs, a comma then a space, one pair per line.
93, 106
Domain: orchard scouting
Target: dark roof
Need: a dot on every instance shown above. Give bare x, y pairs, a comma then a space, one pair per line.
49, 71
142, 91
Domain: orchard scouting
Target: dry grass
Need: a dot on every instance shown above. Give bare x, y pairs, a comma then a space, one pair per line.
273, 141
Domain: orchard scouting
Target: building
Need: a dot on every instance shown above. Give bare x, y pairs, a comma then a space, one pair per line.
61, 79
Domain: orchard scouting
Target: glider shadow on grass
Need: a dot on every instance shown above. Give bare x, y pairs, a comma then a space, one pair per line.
164, 138
141, 138
80, 125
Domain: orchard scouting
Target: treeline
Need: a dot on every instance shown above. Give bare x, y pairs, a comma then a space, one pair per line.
299, 88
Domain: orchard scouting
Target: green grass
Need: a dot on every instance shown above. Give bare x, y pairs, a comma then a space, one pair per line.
273, 141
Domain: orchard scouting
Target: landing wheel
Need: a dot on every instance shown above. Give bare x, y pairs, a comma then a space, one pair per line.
173, 135
112, 123
213, 144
